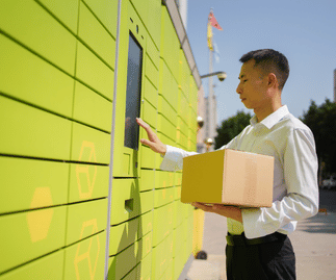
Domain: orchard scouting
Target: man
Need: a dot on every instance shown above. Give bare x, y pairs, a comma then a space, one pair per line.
258, 246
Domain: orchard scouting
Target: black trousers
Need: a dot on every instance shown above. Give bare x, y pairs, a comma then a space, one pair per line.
271, 260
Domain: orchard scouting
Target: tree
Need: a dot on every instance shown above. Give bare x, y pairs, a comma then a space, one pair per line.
322, 122
231, 127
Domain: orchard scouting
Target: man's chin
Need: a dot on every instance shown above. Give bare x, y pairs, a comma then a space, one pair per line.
248, 106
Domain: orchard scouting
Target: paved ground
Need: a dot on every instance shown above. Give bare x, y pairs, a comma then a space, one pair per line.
314, 243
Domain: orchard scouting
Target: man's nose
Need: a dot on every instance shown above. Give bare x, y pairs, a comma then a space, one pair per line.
238, 89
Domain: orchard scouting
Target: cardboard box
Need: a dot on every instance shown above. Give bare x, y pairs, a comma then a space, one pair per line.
228, 177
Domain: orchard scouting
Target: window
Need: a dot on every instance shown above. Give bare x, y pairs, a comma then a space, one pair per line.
133, 93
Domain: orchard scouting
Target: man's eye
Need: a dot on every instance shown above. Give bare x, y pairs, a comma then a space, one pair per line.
244, 81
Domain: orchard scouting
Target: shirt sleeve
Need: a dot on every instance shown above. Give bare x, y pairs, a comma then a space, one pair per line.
301, 201
173, 159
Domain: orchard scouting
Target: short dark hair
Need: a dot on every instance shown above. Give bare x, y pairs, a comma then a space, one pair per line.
270, 61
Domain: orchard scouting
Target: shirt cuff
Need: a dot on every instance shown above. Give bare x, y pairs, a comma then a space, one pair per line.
172, 160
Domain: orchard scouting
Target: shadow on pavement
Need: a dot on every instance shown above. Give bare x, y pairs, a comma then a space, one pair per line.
321, 223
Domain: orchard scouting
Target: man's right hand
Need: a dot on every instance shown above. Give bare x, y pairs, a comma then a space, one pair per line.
154, 142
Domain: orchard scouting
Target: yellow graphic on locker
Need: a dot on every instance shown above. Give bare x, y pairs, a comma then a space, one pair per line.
148, 244
39, 221
86, 174
162, 264
90, 253
149, 227
169, 221
171, 179
164, 193
178, 133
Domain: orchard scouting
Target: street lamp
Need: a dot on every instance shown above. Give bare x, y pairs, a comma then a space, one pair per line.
200, 123
208, 142
220, 75
211, 117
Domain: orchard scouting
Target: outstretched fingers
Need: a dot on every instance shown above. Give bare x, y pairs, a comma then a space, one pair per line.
150, 133
147, 143
142, 123
154, 142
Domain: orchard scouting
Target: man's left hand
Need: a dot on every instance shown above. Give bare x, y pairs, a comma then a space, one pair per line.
231, 212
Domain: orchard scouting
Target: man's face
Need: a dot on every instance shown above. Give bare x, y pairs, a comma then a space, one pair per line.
252, 86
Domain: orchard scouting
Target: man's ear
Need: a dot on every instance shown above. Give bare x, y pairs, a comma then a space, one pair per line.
272, 79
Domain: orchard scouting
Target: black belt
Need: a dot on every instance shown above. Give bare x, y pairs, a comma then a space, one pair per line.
241, 240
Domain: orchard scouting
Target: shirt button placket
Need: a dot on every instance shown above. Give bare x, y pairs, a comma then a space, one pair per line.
255, 134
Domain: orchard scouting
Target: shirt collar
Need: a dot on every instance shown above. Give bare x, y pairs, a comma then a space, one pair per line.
272, 119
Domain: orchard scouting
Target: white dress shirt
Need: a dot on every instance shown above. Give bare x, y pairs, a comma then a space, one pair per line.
295, 188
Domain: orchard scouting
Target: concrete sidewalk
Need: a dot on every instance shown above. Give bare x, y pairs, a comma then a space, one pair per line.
314, 243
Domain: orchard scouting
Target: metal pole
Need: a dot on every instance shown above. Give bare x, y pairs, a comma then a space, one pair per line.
212, 74
210, 99
109, 207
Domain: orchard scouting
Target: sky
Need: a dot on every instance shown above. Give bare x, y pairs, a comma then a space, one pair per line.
303, 30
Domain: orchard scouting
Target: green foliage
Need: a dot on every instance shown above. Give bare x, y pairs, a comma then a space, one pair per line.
322, 122
231, 127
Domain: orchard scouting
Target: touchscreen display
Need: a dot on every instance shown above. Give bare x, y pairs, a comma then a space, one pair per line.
133, 93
